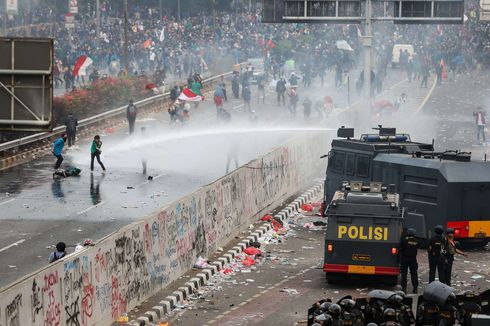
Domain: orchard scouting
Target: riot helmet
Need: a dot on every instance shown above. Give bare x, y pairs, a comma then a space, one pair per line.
411, 232
347, 304
438, 229
389, 314
334, 310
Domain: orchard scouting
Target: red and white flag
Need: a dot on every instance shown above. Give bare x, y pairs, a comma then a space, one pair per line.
153, 87
190, 96
81, 65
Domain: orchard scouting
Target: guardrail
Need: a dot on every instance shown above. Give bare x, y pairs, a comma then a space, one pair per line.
96, 118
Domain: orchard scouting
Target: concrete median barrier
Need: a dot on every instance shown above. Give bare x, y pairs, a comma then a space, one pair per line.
99, 284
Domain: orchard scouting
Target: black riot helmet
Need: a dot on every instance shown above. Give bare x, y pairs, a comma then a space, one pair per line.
395, 299
324, 306
411, 232
347, 304
400, 293
324, 319
469, 295
389, 314
334, 310
449, 231
438, 229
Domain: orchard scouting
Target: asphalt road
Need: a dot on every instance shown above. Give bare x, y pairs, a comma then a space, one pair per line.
290, 279
38, 211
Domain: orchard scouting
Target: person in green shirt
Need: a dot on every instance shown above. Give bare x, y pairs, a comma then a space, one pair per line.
95, 152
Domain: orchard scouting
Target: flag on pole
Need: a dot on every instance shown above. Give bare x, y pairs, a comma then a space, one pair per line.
81, 65
190, 96
162, 35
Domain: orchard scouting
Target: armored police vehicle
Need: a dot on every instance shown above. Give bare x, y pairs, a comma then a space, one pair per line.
364, 225
436, 188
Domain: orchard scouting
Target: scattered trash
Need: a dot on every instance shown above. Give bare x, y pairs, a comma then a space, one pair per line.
266, 218
305, 247
252, 251
308, 225
150, 178
12, 266
129, 187
201, 263
249, 280
476, 277
289, 291
307, 207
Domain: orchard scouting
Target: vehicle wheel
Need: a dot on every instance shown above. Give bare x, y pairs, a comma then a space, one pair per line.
332, 278
474, 244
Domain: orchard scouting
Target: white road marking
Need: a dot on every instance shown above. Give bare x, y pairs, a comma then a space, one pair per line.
12, 245
7, 201
91, 207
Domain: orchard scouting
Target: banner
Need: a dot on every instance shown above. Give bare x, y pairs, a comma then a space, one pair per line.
73, 6
12, 7
69, 21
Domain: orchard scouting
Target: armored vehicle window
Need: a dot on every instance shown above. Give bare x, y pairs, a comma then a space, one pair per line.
362, 168
337, 161
350, 165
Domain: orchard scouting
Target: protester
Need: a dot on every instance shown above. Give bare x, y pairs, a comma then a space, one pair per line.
59, 253
144, 160
450, 251
57, 148
235, 86
480, 121
95, 152
71, 124
131, 113
247, 97
281, 90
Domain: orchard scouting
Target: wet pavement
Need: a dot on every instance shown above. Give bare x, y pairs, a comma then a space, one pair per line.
38, 211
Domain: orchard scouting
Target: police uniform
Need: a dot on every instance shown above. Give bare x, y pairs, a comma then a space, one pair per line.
408, 250
436, 244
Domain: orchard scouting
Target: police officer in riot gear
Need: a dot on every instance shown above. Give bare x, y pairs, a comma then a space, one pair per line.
436, 246
389, 318
408, 251
469, 306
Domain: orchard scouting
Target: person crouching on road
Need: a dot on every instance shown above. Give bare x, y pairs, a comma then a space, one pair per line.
95, 153
408, 250
57, 148
450, 251
59, 253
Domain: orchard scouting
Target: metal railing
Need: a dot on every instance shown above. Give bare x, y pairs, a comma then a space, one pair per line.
97, 118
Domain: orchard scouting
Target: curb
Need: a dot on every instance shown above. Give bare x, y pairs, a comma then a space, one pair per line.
167, 305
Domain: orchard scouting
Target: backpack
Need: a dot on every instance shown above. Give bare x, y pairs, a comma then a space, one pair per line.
56, 257
132, 110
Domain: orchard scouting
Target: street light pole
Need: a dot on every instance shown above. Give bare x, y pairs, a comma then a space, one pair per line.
178, 10
97, 29
126, 59
160, 9
367, 41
